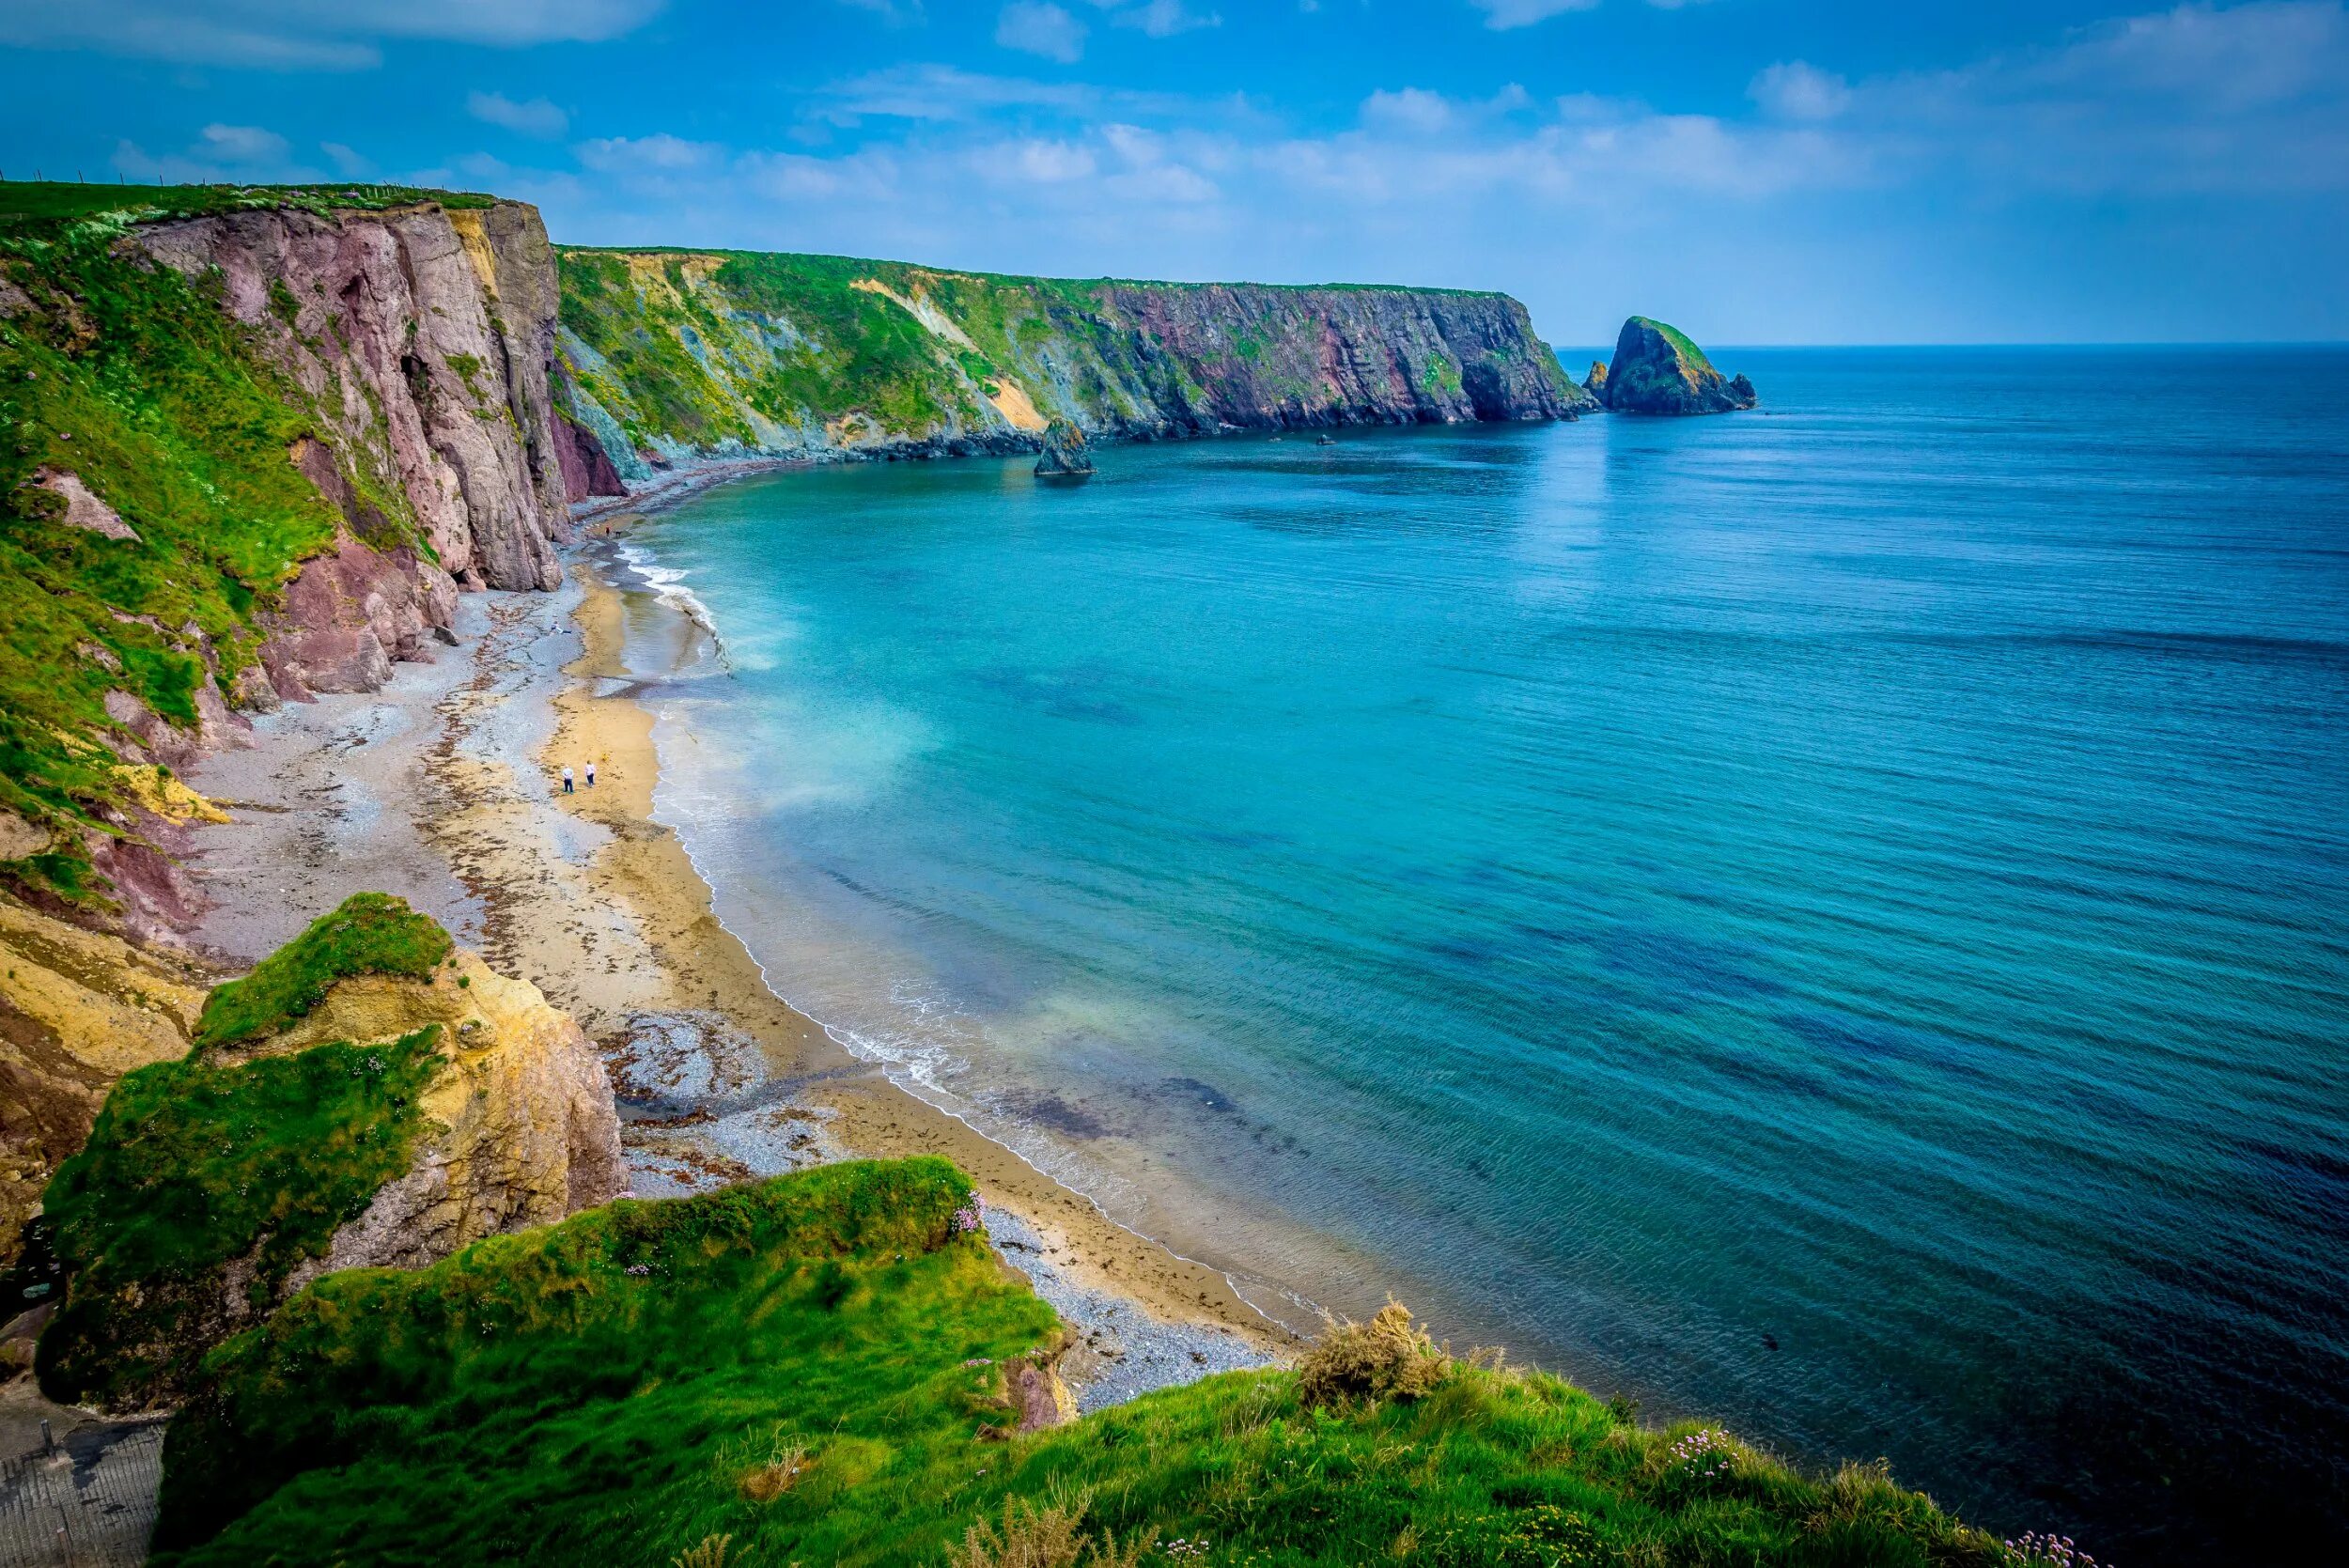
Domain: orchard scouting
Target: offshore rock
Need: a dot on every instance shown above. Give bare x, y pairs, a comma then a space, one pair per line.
1595, 382
1065, 455
1659, 370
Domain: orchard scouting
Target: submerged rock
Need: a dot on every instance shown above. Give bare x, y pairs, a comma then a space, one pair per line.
1659, 370
1065, 455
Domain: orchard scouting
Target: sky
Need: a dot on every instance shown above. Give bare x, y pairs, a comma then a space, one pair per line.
1755, 171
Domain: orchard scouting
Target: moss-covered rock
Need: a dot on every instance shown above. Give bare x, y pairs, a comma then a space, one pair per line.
368, 1096
1064, 455
1657, 369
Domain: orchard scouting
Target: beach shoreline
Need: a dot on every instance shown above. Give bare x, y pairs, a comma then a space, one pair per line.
445, 786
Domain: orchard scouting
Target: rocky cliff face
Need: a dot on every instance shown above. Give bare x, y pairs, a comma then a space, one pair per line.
674, 357
1657, 369
253, 444
421, 340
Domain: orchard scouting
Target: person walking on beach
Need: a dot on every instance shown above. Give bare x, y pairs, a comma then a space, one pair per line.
566, 778
591, 775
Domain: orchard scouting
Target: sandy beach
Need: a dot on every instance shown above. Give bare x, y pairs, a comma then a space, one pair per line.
445, 788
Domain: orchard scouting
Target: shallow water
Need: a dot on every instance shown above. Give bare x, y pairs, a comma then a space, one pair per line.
1831, 919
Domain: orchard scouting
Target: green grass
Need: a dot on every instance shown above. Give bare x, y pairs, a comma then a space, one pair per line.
26, 201
193, 1167
811, 1367
1689, 353
369, 933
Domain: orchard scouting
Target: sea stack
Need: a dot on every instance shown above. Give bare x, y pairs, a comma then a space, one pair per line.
1065, 455
1658, 371
1595, 382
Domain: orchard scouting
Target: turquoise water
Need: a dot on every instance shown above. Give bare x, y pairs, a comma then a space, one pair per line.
1831, 919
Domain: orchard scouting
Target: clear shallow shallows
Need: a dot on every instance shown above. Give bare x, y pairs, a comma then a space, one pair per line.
1831, 919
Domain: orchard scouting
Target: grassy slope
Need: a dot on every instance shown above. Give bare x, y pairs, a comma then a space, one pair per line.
369, 933
809, 1367
136, 381
194, 1165
852, 350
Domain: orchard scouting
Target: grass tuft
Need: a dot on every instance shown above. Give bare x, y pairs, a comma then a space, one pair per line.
369, 933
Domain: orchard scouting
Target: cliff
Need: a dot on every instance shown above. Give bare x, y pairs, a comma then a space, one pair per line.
675, 356
368, 1096
1657, 369
253, 442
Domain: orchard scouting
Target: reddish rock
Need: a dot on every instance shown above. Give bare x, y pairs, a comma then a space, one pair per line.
587, 467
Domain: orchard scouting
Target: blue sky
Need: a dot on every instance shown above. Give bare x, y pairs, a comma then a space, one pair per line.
1758, 171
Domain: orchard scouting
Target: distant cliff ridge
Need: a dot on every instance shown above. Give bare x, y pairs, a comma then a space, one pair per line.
670, 356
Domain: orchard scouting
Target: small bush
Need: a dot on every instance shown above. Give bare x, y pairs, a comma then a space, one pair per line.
1047, 1537
711, 1553
1386, 1359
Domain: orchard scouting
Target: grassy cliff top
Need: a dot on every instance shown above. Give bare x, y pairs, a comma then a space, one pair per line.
369, 933
846, 268
1689, 353
24, 202
820, 1369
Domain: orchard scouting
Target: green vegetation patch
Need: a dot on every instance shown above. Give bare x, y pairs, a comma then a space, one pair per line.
36, 202
201, 1188
369, 933
812, 1369
1691, 354
615, 1388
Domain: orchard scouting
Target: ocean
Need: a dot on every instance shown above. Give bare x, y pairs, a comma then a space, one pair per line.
1833, 919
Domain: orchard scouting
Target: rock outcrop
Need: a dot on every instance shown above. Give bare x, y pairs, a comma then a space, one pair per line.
78, 1009
1595, 384
1064, 455
421, 338
673, 359
524, 1128
368, 1098
1657, 369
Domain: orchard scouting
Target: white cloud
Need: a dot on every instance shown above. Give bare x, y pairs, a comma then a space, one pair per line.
654, 155
536, 118
1159, 19
1792, 89
1413, 111
243, 144
221, 154
1039, 27
305, 35
348, 163
1504, 14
